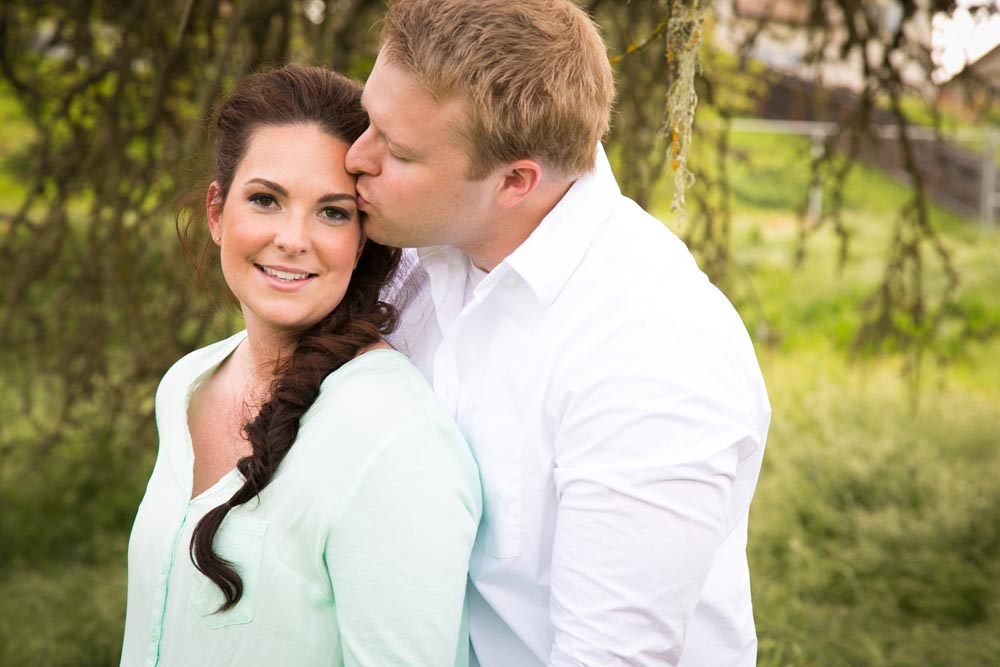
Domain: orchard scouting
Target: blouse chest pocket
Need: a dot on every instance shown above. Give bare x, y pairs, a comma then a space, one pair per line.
240, 541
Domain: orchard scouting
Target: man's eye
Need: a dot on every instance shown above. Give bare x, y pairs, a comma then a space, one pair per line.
263, 200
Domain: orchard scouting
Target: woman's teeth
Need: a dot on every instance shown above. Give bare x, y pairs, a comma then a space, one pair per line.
284, 275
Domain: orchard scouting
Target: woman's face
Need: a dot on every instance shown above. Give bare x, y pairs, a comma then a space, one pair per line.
289, 230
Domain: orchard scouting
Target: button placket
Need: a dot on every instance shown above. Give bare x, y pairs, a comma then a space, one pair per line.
162, 590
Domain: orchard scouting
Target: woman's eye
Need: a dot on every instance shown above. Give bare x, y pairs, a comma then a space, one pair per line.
263, 200
336, 213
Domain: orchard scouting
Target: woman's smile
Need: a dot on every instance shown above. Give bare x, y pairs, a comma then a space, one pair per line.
285, 279
289, 229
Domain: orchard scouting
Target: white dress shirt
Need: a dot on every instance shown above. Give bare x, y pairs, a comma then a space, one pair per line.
613, 401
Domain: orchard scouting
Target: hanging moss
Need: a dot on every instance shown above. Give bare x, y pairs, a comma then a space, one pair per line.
684, 36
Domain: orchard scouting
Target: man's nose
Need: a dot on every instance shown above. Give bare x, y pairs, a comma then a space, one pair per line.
359, 156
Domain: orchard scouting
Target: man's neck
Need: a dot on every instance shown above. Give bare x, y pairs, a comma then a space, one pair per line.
515, 226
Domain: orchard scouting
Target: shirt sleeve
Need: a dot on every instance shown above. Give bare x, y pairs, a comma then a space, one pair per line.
648, 453
398, 552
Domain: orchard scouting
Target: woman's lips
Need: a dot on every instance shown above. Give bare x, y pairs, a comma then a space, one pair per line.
285, 278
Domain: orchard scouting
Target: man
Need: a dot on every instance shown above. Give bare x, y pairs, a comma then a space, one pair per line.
609, 392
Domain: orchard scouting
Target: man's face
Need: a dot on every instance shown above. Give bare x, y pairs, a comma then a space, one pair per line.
412, 169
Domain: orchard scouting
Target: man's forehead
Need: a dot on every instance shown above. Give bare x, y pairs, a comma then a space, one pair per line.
394, 98
390, 77
386, 88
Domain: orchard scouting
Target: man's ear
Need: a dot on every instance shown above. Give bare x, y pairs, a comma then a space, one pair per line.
519, 179
213, 211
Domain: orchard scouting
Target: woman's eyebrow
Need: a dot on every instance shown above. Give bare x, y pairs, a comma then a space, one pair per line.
270, 185
337, 196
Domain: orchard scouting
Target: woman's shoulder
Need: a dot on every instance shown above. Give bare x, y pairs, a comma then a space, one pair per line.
196, 363
382, 379
375, 414
380, 397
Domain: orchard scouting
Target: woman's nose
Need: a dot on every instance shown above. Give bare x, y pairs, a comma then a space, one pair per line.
293, 236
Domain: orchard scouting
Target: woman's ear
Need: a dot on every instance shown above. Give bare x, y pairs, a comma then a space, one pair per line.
213, 211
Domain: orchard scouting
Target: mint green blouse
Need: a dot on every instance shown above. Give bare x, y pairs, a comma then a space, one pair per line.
356, 554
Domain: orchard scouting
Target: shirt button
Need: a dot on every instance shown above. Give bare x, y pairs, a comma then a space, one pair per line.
511, 281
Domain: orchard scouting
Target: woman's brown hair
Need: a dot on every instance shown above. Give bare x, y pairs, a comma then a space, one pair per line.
289, 96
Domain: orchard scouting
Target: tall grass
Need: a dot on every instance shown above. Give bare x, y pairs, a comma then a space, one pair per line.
875, 530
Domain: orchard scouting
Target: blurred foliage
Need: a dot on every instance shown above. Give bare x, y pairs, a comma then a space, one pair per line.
103, 106
884, 47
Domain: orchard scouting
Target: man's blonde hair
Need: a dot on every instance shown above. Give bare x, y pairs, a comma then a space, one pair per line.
535, 74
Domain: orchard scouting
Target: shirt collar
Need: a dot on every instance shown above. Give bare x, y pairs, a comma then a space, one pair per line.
548, 257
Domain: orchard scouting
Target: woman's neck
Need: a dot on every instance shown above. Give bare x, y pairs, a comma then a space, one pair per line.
261, 355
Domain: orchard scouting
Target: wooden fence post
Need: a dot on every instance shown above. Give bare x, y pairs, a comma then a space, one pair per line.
988, 193
816, 187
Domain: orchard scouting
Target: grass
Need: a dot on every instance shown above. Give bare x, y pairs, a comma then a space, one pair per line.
876, 526
875, 529
818, 300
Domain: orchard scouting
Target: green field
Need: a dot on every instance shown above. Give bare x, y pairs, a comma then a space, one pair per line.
875, 532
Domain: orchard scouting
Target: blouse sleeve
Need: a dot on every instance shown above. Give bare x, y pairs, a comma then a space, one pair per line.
398, 550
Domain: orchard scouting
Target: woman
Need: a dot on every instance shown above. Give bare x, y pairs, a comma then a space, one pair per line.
311, 504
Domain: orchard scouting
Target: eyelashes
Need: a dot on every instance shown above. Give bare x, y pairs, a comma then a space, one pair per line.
263, 200
335, 214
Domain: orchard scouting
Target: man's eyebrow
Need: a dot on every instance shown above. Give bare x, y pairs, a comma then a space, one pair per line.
393, 143
270, 185
399, 147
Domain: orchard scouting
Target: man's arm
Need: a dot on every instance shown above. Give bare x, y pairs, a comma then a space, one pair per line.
648, 455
